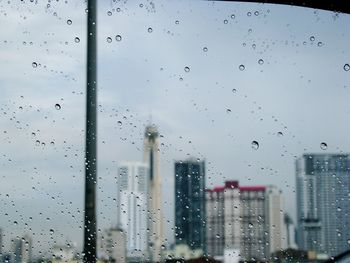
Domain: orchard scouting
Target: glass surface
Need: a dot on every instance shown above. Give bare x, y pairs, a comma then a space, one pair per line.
247, 89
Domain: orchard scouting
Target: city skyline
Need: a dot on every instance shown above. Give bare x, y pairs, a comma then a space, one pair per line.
289, 104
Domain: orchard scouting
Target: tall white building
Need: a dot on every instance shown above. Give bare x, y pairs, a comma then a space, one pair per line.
155, 216
275, 219
133, 207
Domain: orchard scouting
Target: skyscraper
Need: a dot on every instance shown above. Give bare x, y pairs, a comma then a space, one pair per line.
132, 207
155, 214
190, 203
323, 207
248, 219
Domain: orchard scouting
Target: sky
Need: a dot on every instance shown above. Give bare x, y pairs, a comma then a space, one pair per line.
290, 95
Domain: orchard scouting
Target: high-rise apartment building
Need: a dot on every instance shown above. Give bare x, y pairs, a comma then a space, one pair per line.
248, 219
132, 207
323, 207
190, 203
155, 214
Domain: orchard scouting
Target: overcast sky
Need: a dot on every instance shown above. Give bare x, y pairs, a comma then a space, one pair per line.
214, 111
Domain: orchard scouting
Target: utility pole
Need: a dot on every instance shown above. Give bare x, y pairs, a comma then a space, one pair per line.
91, 138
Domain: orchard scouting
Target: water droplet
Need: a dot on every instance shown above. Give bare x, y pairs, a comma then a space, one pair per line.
52, 231
320, 44
279, 134
34, 64
52, 143
57, 106
109, 39
37, 142
118, 38
187, 69
205, 49
241, 67
225, 21
346, 67
255, 145
15, 222
177, 22
228, 111
120, 123
150, 30
234, 90
217, 236
69, 22
77, 39
312, 38
323, 146
256, 13
109, 13
249, 13
260, 61
233, 16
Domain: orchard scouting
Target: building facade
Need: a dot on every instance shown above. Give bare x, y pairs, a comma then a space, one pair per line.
155, 211
323, 193
248, 220
190, 203
22, 248
114, 245
132, 207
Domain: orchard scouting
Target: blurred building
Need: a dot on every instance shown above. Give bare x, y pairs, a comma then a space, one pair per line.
244, 220
181, 252
64, 253
22, 250
190, 203
323, 207
132, 207
114, 245
155, 218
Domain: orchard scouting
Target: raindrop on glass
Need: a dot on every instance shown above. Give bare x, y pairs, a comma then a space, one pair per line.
69, 22
279, 134
77, 40
118, 37
234, 90
187, 69
228, 111
57, 106
260, 61
205, 49
52, 231
34, 64
346, 67
312, 38
109, 13
109, 39
249, 13
320, 44
323, 146
177, 22
241, 67
233, 16
256, 13
255, 145
150, 30
225, 21
120, 123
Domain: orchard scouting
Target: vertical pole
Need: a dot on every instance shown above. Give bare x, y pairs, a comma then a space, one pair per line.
91, 138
